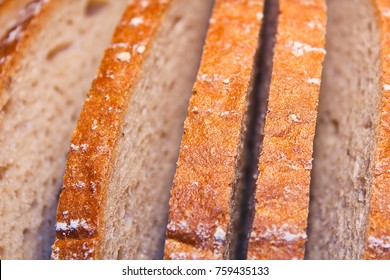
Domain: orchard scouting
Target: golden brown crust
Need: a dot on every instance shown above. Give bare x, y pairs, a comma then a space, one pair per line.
282, 191
378, 233
16, 40
9, 10
80, 211
207, 166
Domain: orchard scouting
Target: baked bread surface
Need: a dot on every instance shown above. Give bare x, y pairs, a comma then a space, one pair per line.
208, 166
282, 189
114, 200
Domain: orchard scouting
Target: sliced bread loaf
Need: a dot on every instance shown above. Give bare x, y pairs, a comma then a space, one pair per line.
282, 188
46, 64
350, 208
203, 195
114, 202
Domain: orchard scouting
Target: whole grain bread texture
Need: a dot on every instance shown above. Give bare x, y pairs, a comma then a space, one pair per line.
9, 10
349, 211
47, 61
203, 192
285, 163
114, 200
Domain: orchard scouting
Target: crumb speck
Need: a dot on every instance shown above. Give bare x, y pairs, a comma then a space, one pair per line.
141, 49
299, 48
294, 118
94, 125
136, 21
226, 81
123, 56
315, 81
219, 234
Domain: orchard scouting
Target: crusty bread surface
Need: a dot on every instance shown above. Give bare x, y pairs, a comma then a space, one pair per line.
114, 202
46, 64
207, 174
282, 190
9, 10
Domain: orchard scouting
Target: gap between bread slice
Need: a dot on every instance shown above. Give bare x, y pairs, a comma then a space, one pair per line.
212, 203
282, 188
349, 211
47, 62
114, 202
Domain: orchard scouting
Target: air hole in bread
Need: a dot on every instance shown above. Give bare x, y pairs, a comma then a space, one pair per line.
3, 172
176, 20
336, 126
121, 255
34, 204
26, 235
57, 50
95, 7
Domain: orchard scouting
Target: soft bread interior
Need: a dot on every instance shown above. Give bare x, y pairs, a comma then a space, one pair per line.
344, 144
137, 198
46, 92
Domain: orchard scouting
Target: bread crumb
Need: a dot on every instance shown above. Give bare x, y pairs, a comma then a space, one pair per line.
74, 147
299, 48
195, 184
377, 242
94, 125
386, 87
315, 24
141, 49
315, 81
65, 213
203, 77
123, 56
84, 147
220, 234
136, 21
259, 16
226, 81
61, 226
224, 114
144, 3
183, 224
294, 118
79, 184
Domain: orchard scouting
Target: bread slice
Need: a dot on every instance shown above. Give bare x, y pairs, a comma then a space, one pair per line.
203, 195
9, 10
350, 209
46, 64
282, 188
114, 202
